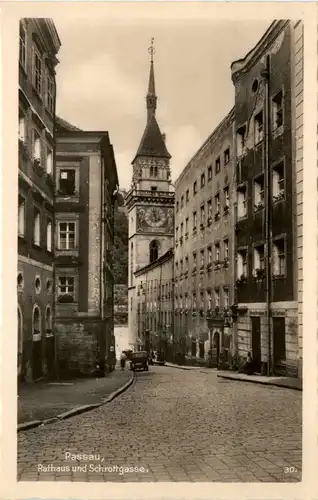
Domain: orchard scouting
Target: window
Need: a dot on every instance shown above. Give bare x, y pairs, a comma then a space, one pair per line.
242, 263
50, 94
22, 48
259, 192
37, 70
177, 234
194, 221
186, 261
182, 201
217, 252
155, 171
217, 165
181, 266
226, 198
202, 215
226, 298
21, 216
186, 227
49, 161
22, 126
36, 324
278, 110
49, 285
279, 257
217, 204
209, 211
20, 281
226, 249
241, 202
36, 149
201, 300
49, 236
193, 345
202, 180
209, 255
48, 321
195, 187
67, 182
226, 156
258, 259
66, 288
154, 188
66, 235
194, 301
177, 209
240, 140
181, 229
278, 182
37, 227
187, 195
209, 297
194, 256
217, 298
209, 172
154, 250
201, 259
258, 127
37, 284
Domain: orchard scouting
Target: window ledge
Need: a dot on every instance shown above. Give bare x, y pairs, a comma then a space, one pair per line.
37, 246
22, 237
279, 276
278, 131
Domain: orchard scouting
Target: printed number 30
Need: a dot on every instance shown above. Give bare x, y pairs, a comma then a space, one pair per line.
289, 470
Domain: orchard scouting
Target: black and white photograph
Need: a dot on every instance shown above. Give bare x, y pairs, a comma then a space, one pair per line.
159, 288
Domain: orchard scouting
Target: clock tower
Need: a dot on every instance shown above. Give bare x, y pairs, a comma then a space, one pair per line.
150, 202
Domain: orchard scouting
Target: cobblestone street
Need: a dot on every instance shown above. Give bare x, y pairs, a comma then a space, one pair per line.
174, 425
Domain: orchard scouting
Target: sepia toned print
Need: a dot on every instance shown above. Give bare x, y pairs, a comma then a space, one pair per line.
160, 307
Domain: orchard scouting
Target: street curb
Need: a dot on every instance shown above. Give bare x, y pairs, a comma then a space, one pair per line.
185, 367
251, 381
76, 411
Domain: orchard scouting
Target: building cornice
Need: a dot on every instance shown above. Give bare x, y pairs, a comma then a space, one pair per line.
242, 66
206, 146
135, 196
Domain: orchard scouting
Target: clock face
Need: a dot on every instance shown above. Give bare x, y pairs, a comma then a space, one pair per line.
155, 217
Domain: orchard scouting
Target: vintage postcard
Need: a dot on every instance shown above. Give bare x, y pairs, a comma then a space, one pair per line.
160, 225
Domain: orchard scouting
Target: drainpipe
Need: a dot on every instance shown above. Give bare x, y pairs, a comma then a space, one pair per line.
267, 191
172, 314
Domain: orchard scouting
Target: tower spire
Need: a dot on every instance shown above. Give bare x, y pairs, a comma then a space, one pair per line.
151, 98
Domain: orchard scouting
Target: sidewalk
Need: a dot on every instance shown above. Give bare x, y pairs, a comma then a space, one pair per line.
42, 401
287, 382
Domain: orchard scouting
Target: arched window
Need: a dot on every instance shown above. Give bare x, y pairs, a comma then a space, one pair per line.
36, 323
49, 236
48, 321
154, 248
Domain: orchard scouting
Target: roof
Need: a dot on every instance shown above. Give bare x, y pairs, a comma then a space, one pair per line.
152, 142
64, 126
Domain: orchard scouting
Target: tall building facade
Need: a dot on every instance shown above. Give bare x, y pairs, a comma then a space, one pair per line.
204, 248
155, 306
86, 184
39, 45
266, 233
150, 203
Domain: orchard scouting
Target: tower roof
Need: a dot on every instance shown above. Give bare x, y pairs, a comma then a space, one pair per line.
152, 142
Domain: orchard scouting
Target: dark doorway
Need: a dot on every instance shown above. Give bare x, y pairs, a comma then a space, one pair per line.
194, 347
256, 343
216, 349
201, 349
37, 345
279, 346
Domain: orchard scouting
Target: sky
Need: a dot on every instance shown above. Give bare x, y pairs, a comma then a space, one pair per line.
103, 73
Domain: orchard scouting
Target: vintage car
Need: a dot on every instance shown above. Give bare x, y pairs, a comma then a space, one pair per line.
139, 361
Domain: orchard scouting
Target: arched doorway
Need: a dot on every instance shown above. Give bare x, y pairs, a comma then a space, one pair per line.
37, 344
20, 341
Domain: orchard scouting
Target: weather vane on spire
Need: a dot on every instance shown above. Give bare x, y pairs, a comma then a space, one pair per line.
151, 50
